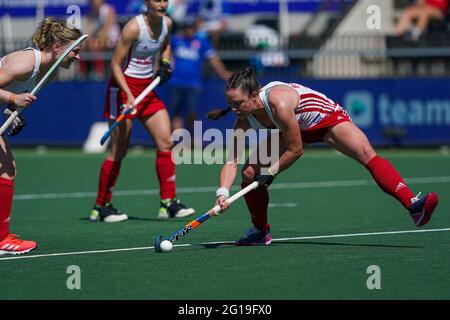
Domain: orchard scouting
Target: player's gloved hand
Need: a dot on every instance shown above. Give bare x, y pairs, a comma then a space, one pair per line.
264, 180
18, 123
165, 71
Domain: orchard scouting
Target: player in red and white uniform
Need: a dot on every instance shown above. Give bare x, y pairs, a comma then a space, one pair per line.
143, 52
313, 112
19, 72
302, 116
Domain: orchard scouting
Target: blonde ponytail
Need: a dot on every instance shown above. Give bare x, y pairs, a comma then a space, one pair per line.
51, 30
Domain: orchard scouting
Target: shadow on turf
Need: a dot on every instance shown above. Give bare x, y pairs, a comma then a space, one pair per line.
277, 243
344, 244
159, 220
213, 245
149, 219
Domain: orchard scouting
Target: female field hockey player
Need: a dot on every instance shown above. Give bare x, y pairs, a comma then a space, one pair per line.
143, 45
19, 72
302, 116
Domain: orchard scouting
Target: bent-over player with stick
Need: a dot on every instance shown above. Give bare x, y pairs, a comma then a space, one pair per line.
301, 115
19, 72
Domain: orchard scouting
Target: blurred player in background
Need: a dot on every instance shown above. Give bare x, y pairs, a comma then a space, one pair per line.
415, 19
143, 48
19, 72
302, 116
189, 53
214, 16
177, 11
103, 30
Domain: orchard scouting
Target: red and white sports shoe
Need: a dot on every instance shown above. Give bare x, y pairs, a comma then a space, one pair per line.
12, 245
255, 237
422, 208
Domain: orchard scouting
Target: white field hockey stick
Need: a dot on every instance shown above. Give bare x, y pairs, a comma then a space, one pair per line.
42, 82
128, 109
195, 223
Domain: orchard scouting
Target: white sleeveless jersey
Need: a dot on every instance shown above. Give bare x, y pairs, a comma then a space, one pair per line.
142, 56
312, 108
27, 85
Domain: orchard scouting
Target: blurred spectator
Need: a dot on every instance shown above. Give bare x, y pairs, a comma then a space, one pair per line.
421, 13
135, 7
189, 51
104, 32
177, 11
214, 19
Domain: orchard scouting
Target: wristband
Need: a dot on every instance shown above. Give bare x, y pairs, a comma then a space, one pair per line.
166, 61
222, 191
12, 98
270, 172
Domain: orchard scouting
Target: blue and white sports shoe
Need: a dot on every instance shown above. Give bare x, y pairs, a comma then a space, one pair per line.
422, 208
255, 237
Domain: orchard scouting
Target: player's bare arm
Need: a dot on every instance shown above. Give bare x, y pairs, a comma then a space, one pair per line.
283, 101
129, 35
103, 32
18, 66
165, 68
229, 170
219, 67
166, 50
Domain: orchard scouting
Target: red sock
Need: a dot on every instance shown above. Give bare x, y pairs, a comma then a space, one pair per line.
108, 177
6, 196
389, 180
257, 203
165, 168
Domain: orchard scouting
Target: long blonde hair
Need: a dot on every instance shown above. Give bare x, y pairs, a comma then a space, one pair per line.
51, 30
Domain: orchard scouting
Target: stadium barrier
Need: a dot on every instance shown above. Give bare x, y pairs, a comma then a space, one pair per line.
405, 112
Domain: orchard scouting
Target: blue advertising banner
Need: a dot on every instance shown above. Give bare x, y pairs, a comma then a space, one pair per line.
65, 112
269, 6
419, 107
27, 8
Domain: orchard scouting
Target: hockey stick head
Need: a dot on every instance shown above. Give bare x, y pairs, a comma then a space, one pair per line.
202, 218
157, 243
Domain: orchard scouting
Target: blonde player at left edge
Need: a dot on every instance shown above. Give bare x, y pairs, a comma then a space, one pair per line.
20, 71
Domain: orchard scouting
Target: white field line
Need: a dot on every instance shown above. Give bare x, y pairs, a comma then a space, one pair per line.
275, 186
283, 205
31, 256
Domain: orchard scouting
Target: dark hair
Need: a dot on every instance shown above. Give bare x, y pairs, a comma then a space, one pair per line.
244, 79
